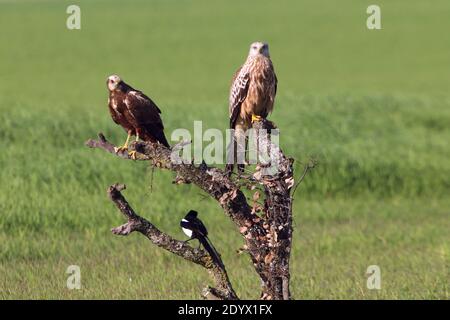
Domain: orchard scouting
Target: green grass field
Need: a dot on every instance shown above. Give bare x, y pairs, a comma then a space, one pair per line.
372, 106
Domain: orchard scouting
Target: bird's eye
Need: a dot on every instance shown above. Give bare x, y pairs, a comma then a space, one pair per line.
254, 48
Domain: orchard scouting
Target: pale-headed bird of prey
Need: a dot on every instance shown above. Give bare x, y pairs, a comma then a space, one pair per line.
252, 94
135, 112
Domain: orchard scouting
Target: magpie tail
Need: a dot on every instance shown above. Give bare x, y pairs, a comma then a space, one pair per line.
206, 243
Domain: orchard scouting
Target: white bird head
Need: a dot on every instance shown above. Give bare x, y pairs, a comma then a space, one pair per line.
259, 48
113, 82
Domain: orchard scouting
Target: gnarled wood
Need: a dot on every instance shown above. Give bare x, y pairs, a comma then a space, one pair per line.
224, 289
266, 230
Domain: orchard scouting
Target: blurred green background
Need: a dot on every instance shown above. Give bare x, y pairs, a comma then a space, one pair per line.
371, 105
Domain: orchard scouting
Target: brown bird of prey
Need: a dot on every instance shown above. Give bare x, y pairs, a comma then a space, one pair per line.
135, 112
252, 93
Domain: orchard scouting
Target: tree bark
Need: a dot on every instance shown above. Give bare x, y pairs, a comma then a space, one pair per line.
224, 289
266, 229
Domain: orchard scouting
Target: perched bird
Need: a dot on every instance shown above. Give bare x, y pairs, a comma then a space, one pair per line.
252, 94
194, 228
135, 112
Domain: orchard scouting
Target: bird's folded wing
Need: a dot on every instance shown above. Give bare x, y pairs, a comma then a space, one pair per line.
143, 110
238, 93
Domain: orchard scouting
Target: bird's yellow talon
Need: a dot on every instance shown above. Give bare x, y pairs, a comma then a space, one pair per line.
132, 154
125, 146
256, 118
120, 149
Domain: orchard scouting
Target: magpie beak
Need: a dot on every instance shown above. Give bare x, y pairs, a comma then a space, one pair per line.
194, 228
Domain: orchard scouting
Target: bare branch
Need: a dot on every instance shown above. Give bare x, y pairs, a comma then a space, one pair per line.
104, 144
211, 180
268, 237
309, 166
224, 289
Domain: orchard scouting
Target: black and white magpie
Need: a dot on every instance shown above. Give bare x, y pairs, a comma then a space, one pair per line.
194, 228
